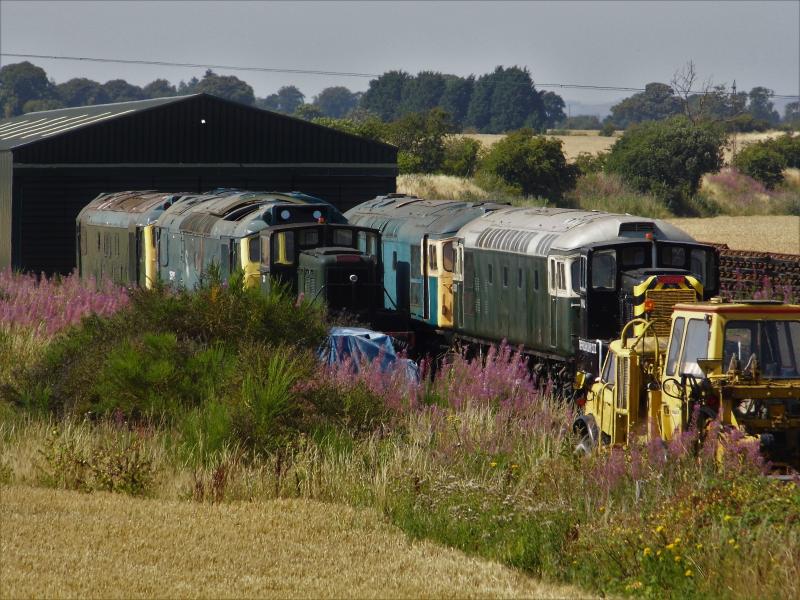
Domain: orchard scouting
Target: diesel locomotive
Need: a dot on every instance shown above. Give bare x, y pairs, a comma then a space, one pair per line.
418, 238
559, 282
138, 238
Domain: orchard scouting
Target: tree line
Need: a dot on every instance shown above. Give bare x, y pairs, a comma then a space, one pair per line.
497, 102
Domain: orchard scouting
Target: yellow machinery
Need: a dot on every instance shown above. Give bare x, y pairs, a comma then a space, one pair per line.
739, 362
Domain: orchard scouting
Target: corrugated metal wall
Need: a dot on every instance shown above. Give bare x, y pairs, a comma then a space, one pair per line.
232, 133
6, 176
168, 148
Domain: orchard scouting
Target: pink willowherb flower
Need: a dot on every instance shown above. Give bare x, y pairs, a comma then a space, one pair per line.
48, 305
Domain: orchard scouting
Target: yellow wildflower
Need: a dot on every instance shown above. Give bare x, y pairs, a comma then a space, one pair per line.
659, 529
515, 466
731, 541
689, 573
699, 546
602, 509
677, 541
670, 546
677, 559
658, 552
736, 547
647, 552
493, 464
727, 518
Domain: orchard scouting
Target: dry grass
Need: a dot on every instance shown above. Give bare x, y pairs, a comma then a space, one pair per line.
69, 544
765, 234
440, 187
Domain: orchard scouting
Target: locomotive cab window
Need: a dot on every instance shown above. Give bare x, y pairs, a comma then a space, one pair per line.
604, 270
702, 265
283, 247
309, 238
634, 256
432, 264
343, 237
255, 249
368, 243
448, 257
673, 256
265, 251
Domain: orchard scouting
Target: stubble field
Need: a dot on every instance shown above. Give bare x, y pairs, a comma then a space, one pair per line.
589, 141
56, 543
762, 234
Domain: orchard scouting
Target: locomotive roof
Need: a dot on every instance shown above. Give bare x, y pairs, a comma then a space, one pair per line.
123, 209
400, 216
237, 213
538, 230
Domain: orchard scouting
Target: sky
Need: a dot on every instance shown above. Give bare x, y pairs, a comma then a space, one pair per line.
598, 43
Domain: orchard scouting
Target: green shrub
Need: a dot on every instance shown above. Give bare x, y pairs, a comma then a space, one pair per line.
787, 146
587, 162
762, 163
167, 352
608, 130
534, 164
117, 463
667, 158
461, 156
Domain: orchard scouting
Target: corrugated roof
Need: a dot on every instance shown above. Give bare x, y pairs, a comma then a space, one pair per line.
34, 126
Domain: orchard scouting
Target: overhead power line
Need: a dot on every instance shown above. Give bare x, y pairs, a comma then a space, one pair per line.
164, 63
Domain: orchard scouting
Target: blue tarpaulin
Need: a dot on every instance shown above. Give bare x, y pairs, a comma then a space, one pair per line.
361, 345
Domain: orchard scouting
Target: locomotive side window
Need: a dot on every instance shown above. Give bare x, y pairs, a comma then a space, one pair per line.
416, 261
505, 276
394, 260
432, 264
536, 279
491, 274
675, 345
604, 270
163, 249
448, 256
519, 278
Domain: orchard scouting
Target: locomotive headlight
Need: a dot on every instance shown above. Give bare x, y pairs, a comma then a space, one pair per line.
353, 278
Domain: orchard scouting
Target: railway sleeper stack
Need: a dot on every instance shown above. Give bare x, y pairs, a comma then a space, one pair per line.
745, 272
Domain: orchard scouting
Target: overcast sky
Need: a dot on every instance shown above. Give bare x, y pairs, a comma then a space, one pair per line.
603, 43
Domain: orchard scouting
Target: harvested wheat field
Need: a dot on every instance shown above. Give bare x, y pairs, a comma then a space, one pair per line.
764, 234
573, 145
591, 142
71, 544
